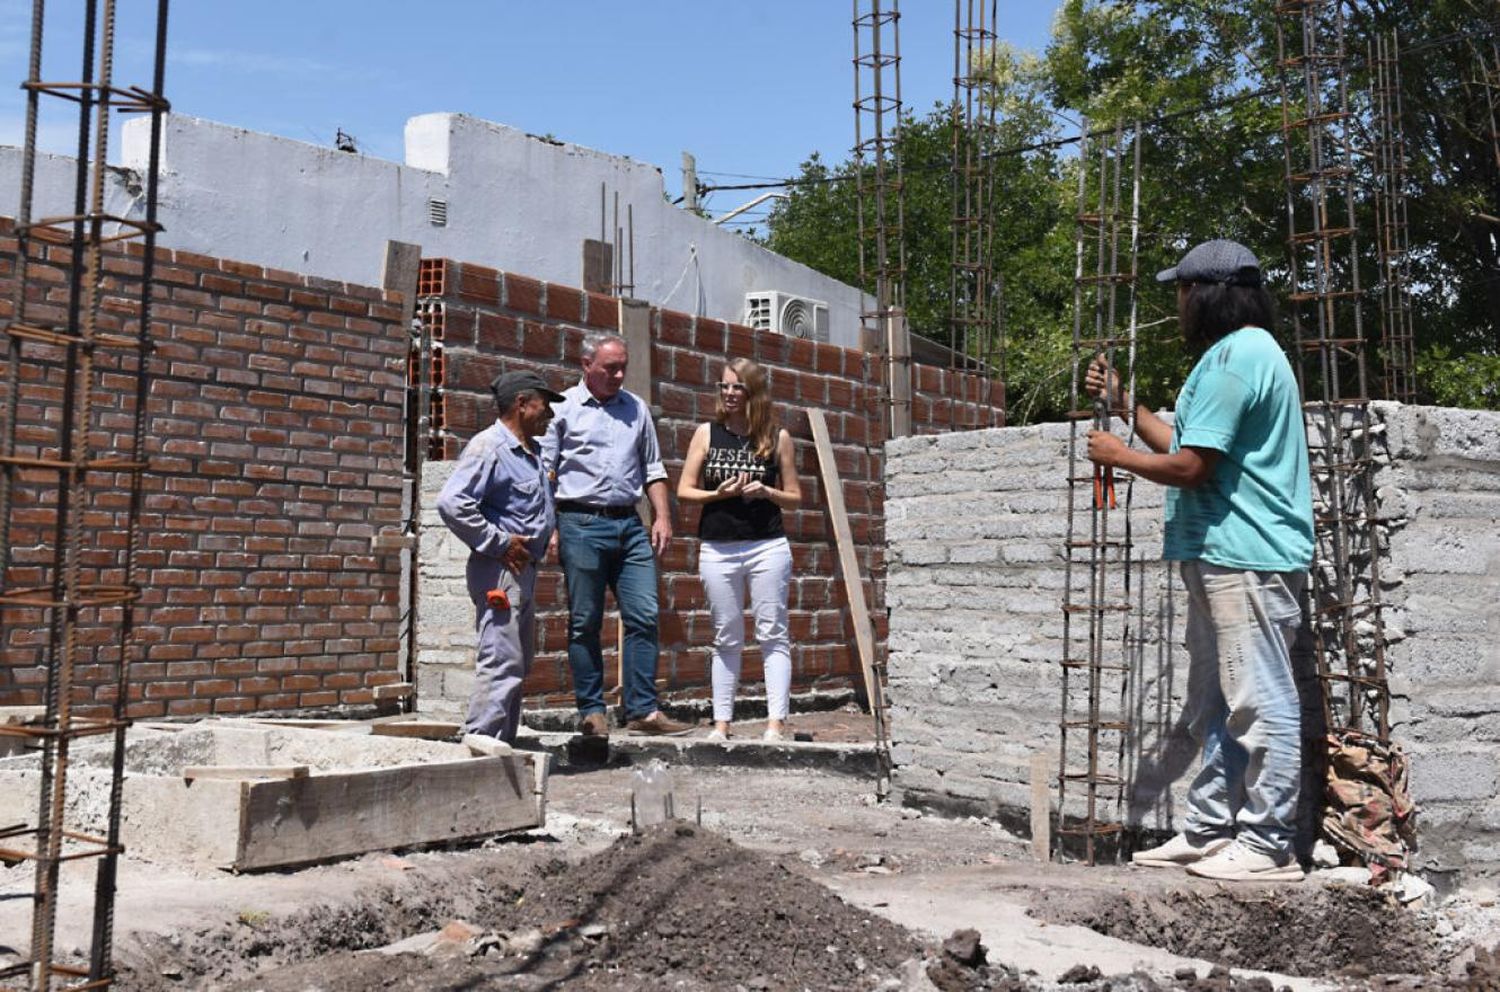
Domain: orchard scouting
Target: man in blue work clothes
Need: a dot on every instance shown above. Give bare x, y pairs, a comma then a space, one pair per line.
499, 503
1239, 519
603, 450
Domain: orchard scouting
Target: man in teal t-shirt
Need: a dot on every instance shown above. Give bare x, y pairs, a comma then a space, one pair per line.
1239, 519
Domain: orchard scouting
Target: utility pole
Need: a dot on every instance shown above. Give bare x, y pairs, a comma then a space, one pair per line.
689, 182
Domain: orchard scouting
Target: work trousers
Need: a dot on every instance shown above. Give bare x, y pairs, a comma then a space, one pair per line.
728, 570
1242, 704
507, 644
600, 553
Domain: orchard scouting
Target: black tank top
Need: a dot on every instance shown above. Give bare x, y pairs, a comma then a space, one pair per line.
737, 518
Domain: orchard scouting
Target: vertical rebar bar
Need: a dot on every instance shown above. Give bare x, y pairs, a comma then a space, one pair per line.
1326, 295
880, 209
81, 587
1097, 631
1392, 241
972, 304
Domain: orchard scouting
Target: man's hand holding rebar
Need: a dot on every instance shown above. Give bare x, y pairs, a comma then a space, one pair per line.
1106, 449
1101, 377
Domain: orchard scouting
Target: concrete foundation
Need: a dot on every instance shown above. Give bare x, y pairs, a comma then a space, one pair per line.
244, 796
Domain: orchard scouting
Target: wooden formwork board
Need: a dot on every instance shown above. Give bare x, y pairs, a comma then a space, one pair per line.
296, 821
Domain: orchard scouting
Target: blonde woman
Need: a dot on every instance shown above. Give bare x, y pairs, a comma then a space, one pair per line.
740, 469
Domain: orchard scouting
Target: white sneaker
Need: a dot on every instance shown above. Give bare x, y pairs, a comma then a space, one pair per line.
1179, 852
772, 735
716, 736
1238, 863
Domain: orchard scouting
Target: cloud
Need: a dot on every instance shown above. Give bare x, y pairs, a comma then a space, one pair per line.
257, 63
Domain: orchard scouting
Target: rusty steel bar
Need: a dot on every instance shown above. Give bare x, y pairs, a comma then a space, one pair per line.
1098, 582
973, 304
1323, 254
1393, 243
77, 589
880, 210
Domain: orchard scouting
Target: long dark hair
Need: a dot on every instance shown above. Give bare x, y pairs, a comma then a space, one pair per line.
1213, 309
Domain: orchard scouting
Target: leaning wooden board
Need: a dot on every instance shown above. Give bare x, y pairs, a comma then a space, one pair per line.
833, 489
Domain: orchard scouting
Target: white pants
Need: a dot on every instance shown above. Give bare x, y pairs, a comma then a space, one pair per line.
727, 569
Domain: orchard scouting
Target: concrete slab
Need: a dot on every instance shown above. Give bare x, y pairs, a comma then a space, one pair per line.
358, 793
993, 901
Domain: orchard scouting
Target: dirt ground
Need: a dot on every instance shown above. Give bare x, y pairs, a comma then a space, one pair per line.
797, 879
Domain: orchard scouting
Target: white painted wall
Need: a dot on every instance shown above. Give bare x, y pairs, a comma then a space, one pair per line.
515, 202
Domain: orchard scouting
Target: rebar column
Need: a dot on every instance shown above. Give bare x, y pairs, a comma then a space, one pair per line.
1392, 240
1323, 254
972, 309
880, 204
80, 569
882, 256
1099, 641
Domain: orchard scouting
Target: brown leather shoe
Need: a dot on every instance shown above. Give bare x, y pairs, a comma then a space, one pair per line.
658, 724
595, 725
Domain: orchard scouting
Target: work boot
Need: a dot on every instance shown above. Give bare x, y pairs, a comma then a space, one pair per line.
594, 725
1238, 863
1179, 852
658, 724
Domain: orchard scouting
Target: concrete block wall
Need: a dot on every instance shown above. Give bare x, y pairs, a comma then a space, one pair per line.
483, 321
275, 427
1441, 490
975, 527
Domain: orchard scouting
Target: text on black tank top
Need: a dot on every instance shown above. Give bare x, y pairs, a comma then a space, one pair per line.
737, 518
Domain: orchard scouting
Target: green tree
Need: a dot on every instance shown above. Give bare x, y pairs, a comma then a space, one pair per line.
1203, 78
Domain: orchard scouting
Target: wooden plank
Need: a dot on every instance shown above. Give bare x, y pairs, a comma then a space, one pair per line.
427, 729
234, 772
399, 272
393, 690
1041, 806
598, 266
833, 491
898, 373
329, 816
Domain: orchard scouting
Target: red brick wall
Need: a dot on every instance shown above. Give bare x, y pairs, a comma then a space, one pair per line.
275, 429
484, 321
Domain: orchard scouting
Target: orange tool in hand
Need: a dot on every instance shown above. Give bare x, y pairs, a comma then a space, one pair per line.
497, 599
1104, 486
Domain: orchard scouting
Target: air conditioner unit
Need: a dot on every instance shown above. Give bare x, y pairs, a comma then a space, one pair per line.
783, 313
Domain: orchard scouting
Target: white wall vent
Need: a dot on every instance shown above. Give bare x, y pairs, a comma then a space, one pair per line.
437, 212
783, 313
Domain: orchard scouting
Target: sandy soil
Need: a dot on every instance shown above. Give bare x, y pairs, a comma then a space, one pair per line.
812, 846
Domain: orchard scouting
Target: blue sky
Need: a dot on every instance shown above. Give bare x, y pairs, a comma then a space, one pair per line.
751, 87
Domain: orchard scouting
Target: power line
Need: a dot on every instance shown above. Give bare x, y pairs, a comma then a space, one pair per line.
1051, 144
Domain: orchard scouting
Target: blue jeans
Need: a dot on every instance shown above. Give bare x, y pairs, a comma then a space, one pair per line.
599, 552
1242, 704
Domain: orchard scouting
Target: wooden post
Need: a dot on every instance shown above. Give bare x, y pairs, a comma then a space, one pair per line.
399, 271
1041, 806
598, 266
898, 372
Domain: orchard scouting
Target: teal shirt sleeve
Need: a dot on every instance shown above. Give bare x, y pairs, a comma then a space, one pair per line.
1219, 403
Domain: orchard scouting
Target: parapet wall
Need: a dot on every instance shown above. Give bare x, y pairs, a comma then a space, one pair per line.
975, 529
